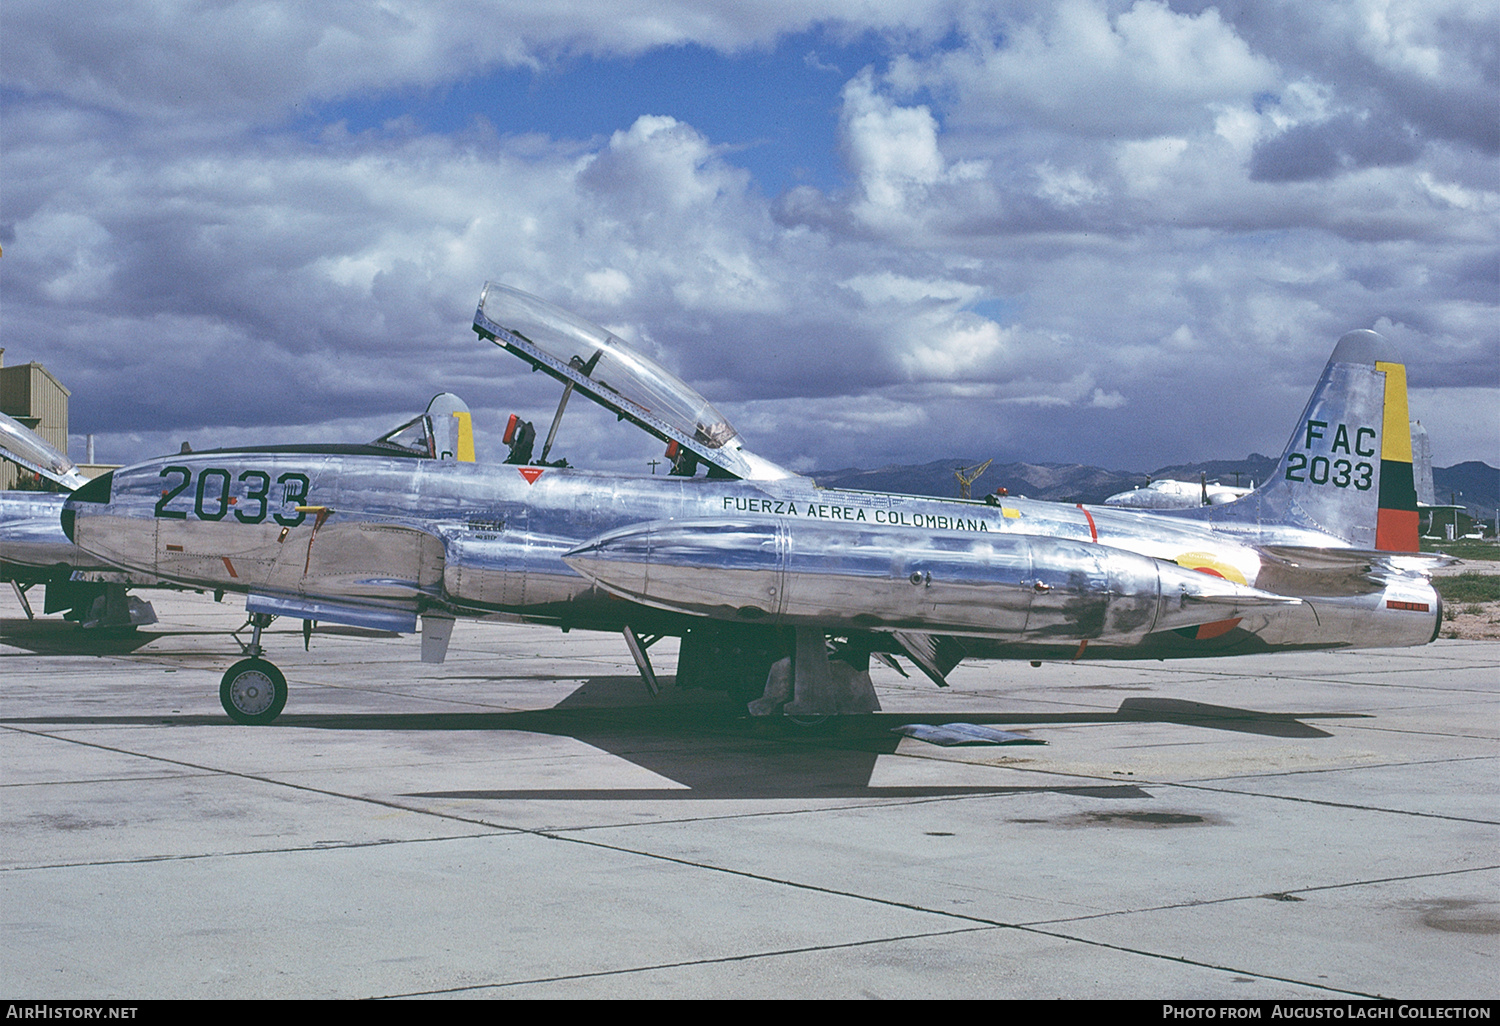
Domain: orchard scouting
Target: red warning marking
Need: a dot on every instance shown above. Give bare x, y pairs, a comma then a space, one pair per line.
1213, 630
1415, 607
1082, 645
530, 473
1093, 531
229, 566
1217, 627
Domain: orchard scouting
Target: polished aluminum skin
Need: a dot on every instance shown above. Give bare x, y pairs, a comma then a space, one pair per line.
35, 551
417, 536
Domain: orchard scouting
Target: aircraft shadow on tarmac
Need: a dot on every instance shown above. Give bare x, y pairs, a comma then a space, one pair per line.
718, 753
706, 743
52, 637
63, 637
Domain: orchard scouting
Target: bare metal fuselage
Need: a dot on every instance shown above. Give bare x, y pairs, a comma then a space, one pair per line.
380, 541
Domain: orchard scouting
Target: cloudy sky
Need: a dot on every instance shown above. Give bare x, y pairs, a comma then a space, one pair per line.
1120, 233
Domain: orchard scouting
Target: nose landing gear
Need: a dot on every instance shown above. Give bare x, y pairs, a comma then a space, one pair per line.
253, 690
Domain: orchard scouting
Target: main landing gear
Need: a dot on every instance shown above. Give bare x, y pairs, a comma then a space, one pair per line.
253, 690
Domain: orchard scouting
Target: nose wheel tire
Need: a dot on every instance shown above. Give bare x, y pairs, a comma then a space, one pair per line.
253, 692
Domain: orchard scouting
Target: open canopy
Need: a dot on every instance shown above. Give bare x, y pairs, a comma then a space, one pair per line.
604, 367
27, 448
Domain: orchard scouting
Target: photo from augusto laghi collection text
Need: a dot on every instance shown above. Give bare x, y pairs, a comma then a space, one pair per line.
1264, 1010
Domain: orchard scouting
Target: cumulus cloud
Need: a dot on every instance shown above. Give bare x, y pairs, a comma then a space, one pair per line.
1430, 64
1125, 233
244, 59
892, 152
1323, 149
1077, 66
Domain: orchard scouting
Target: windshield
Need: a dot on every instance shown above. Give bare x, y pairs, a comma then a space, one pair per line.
444, 432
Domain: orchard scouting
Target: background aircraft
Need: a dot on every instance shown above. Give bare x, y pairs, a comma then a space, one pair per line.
776, 586
34, 550
1168, 494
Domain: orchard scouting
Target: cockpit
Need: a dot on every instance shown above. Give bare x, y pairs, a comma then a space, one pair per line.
444, 432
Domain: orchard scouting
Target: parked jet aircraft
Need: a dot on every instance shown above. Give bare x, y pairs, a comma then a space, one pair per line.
773, 584
1168, 494
34, 550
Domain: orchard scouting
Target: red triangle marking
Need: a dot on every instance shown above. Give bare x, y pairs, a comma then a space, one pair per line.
530, 473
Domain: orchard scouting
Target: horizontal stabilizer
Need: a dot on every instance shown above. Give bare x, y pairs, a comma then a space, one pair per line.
1244, 598
1324, 572
1191, 598
1305, 557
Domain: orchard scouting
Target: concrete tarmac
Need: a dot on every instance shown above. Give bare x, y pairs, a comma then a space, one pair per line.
526, 821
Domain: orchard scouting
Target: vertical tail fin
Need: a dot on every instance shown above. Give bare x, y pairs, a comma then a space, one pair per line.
1347, 469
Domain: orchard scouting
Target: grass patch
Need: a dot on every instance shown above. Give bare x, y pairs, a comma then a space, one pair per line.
1469, 587
1463, 549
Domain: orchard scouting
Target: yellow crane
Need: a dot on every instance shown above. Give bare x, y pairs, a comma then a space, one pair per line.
968, 475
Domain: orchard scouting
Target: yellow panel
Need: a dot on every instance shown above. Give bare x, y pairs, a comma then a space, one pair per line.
1395, 436
464, 448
